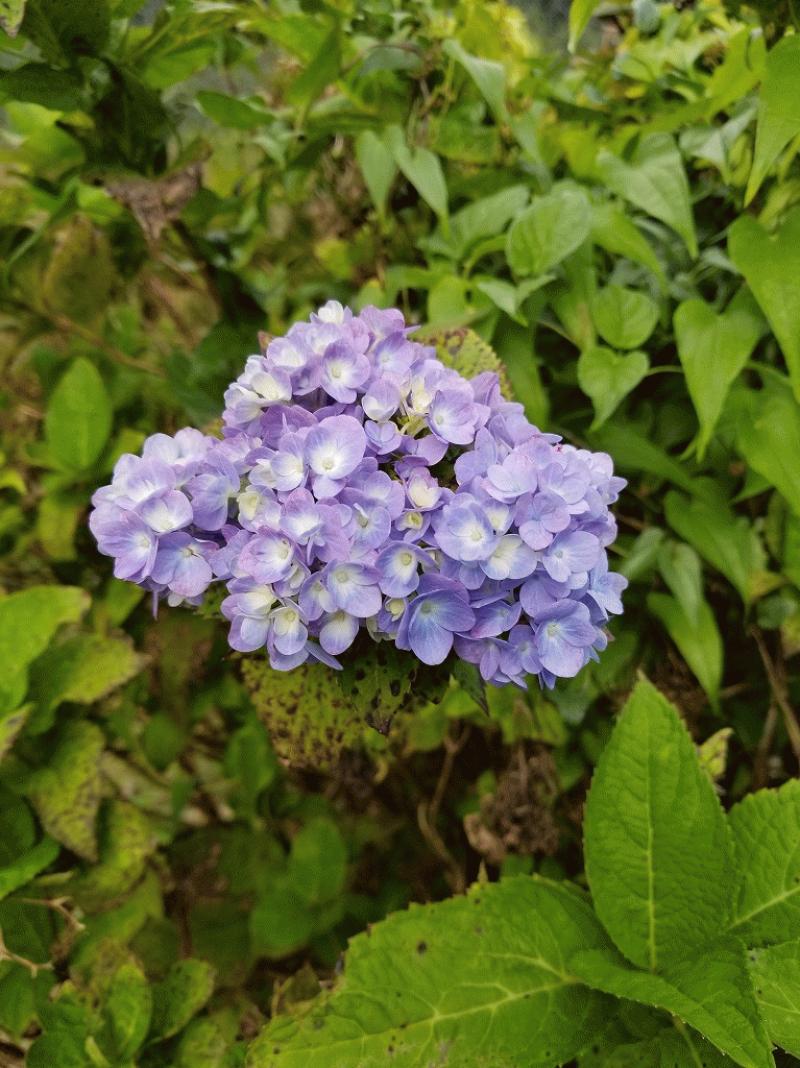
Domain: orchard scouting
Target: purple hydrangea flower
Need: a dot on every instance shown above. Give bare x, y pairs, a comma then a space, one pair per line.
359, 484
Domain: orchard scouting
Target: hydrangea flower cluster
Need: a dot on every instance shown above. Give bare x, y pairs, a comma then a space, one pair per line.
362, 484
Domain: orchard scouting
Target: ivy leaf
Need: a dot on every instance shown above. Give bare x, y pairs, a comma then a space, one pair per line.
654, 181
483, 977
422, 169
608, 377
713, 348
771, 263
778, 118
766, 832
481, 220
78, 419
625, 318
776, 976
66, 793
658, 856
767, 428
179, 996
614, 231
378, 167
555, 225
709, 989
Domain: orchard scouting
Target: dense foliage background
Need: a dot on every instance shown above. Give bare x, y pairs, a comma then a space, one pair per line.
186, 848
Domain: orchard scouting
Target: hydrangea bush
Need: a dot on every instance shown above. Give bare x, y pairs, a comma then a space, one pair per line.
361, 483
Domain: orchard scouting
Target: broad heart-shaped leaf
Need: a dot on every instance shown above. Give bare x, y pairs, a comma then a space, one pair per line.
548, 231
479, 981
767, 428
713, 348
696, 636
608, 377
658, 852
726, 541
771, 265
625, 318
766, 836
78, 419
778, 114
489, 76
710, 990
421, 167
28, 620
655, 181
66, 793
378, 167
776, 977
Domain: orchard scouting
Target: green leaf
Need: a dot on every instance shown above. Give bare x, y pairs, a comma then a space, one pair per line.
767, 428
776, 977
488, 75
180, 996
726, 541
697, 638
770, 263
28, 621
658, 855
608, 377
580, 11
127, 1009
378, 167
555, 225
713, 348
251, 763
321, 70
766, 832
625, 318
79, 274
680, 568
709, 989
632, 451
81, 669
654, 180
778, 117
36, 83
233, 112
422, 169
482, 977
318, 861
78, 419
11, 14
66, 793
479, 221
616, 233
61, 29
25, 867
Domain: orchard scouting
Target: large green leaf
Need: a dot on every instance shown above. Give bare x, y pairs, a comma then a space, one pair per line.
767, 428
378, 167
11, 14
776, 975
658, 854
321, 70
709, 989
488, 75
548, 231
580, 11
771, 263
26, 866
422, 169
654, 180
625, 318
179, 996
778, 114
608, 377
614, 231
766, 835
78, 419
483, 978
713, 348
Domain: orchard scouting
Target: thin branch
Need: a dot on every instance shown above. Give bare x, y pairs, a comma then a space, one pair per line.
69, 326
775, 671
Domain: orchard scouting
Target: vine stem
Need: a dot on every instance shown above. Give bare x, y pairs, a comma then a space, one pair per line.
776, 676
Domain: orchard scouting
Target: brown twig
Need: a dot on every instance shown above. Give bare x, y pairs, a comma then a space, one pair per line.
427, 813
69, 326
775, 671
764, 747
33, 967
